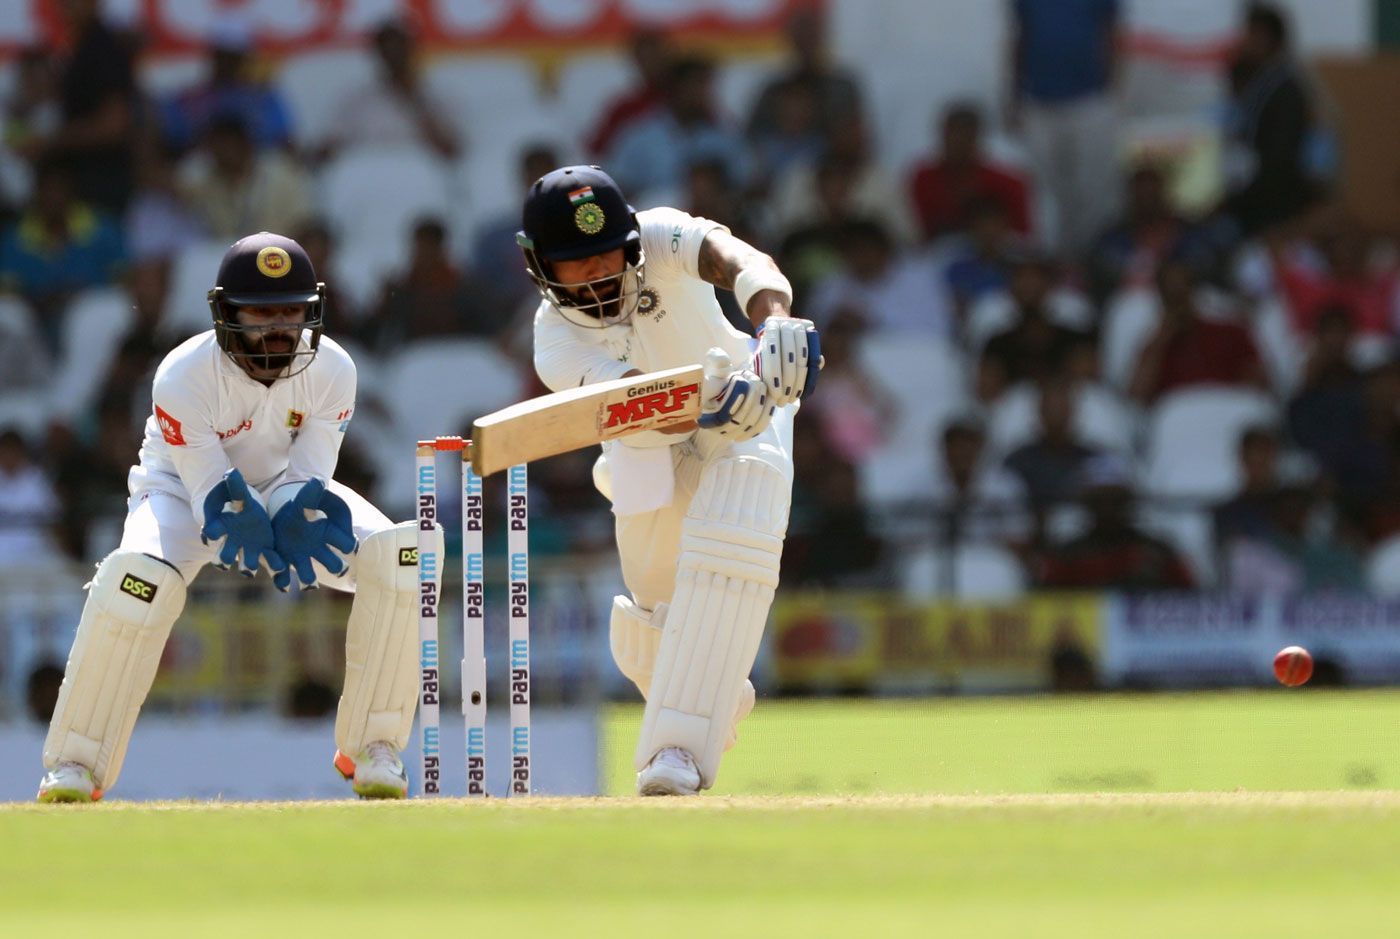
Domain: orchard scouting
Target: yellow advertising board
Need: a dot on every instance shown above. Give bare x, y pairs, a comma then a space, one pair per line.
863, 642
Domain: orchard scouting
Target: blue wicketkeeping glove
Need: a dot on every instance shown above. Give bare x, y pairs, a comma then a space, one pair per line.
302, 535
246, 529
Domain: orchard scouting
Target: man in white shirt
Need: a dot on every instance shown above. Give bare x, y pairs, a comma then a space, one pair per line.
701, 510
235, 470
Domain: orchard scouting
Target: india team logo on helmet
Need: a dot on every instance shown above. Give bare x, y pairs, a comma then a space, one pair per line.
274, 261
588, 214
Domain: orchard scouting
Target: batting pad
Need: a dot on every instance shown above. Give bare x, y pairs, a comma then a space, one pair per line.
731, 544
132, 602
634, 634
381, 642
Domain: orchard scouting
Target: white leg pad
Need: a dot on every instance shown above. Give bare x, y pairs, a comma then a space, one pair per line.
132, 602
381, 642
635, 635
731, 545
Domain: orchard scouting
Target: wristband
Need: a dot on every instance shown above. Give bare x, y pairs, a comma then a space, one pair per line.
753, 279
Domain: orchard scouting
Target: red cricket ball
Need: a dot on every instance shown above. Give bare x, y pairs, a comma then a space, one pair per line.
1293, 666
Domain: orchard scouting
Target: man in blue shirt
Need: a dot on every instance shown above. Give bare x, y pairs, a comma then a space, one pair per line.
1063, 63
58, 247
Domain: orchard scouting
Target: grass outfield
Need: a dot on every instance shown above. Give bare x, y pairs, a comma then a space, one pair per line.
1289, 739
1075, 865
805, 835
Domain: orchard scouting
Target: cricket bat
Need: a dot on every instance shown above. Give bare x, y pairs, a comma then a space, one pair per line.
582, 417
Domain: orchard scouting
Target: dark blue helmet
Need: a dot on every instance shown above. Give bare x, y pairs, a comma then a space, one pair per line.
267, 270
577, 212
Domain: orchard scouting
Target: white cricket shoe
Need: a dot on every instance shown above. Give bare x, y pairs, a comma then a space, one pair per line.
69, 782
376, 772
672, 772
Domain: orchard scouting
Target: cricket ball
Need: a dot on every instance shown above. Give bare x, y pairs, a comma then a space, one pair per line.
1293, 666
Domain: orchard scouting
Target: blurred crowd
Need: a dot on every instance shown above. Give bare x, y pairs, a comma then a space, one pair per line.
1042, 371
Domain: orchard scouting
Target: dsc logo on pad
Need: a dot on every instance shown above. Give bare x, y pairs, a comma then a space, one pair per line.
142, 590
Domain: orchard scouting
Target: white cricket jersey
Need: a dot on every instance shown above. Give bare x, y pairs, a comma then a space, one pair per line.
678, 318
209, 416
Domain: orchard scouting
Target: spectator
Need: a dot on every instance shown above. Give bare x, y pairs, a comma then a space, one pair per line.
1188, 349
97, 90
234, 189
397, 109
1052, 465
1347, 280
853, 412
974, 499
58, 247
1113, 554
889, 291
845, 183
980, 264
1348, 422
32, 113
1270, 126
945, 189
28, 507
229, 87
1291, 553
1064, 61
92, 479
794, 139
830, 540
342, 310
833, 90
1040, 345
1127, 254
1248, 513
158, 226
432, 297
494, 248
652, 155
652, 55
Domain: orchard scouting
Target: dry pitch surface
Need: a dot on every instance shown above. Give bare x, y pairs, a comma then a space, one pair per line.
1162, 864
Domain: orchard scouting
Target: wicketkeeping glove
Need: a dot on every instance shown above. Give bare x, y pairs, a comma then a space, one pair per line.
734, 401
788, 358
234, 514
306, 528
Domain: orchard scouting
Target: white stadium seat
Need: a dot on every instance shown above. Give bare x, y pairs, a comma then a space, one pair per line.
427, 388
1383, 568
978, 572
587, 84
94, 326
1193, 439
312, 84
996, 312
1101, 419
1128, 322
374, 198
192, 274
925, 379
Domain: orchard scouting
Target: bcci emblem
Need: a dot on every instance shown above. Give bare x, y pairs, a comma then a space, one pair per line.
647, 301
274, 261
589, 218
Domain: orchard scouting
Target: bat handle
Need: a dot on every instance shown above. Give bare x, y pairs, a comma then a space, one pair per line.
718, 364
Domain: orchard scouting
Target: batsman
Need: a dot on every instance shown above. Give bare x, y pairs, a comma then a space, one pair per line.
235, 471
701, 508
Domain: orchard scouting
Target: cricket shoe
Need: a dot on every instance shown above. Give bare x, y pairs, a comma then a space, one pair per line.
672, 772
69, 782
376, 773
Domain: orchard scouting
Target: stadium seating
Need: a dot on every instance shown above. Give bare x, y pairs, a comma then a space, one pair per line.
1101, 419
970, 572
305, 82
429, 388
94, 326
1383, 568
192, 274
996, 312
1192, 440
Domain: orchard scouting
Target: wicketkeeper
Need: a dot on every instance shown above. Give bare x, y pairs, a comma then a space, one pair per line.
701, 511
235, 471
